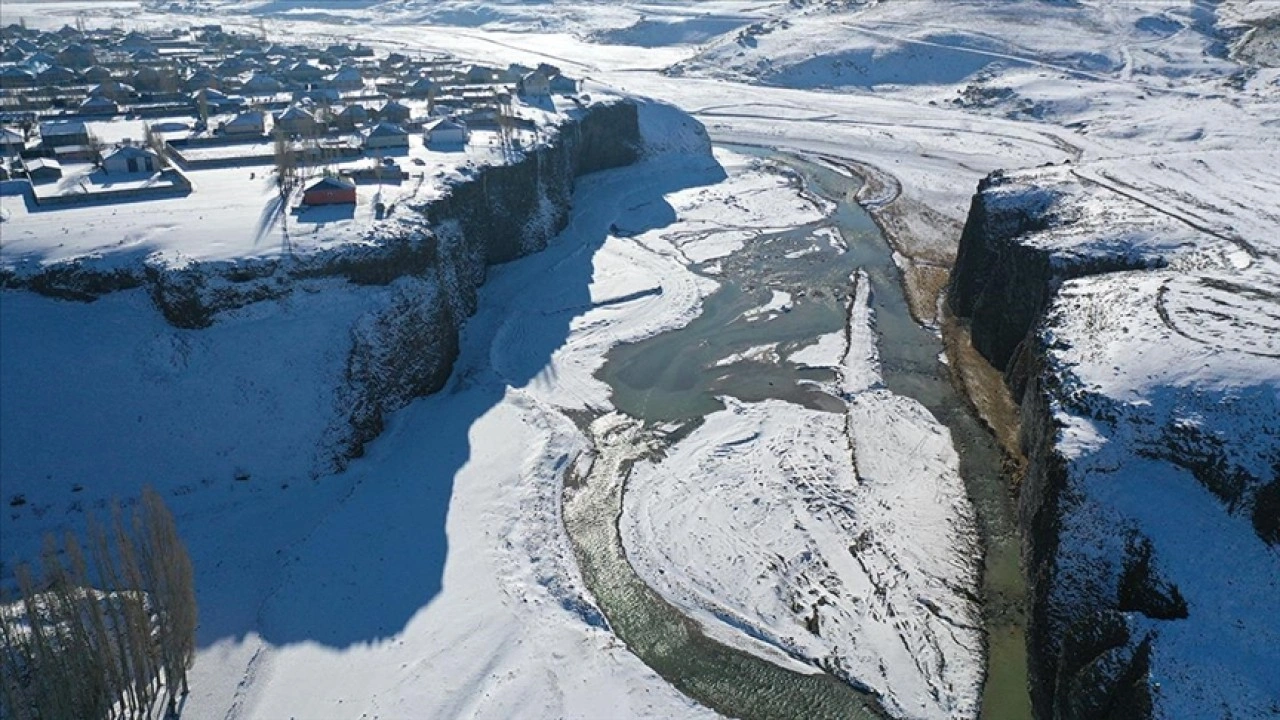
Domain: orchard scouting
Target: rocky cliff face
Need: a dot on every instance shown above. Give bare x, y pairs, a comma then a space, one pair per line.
1144, 354
431, 258
406, 348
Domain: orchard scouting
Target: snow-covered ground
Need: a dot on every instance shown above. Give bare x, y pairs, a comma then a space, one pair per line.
433, 576
236, 213
845, 540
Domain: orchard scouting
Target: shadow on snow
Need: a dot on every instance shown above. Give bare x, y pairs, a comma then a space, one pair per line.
365, 551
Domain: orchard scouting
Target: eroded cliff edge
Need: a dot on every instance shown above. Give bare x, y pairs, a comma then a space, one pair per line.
401, 293
1145, 354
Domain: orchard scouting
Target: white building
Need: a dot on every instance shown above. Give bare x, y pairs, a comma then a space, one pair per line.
535, 84
131, 159
444, 131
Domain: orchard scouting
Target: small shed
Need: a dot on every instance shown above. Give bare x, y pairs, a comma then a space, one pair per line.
42, 170
444, 131
329, 191
386, 135
131, 159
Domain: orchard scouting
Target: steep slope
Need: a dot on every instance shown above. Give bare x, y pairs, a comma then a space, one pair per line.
1143, 350
279, 366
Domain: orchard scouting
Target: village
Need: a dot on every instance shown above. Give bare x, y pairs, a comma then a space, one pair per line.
271, 134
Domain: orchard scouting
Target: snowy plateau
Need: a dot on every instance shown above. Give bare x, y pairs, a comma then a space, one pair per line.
378, 432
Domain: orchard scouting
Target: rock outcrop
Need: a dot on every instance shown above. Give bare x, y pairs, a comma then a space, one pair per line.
1145, 354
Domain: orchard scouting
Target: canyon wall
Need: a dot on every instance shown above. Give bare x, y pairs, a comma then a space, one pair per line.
1142, 352
422, 269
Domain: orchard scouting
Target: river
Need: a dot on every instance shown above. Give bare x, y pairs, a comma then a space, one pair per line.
672, 380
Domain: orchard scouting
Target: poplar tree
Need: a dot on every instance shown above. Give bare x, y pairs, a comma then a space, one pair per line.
107, 639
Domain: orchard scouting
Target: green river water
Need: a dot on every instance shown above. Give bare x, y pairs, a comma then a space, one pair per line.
673, 379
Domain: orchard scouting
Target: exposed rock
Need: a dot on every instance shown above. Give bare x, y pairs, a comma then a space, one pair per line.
1142, 350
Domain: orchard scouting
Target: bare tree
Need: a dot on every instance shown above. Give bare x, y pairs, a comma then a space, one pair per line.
107, 640
287, 177
154, 142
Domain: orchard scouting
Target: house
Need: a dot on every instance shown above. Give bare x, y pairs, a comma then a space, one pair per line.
12, 142
261, 84
42, 170
98, 105
111, 90
16, 77
477, 75
97, 74
351, 116
296, 121
446, 132
62, 133
12, 54
386, 135
149, 79
233, 66
135, 41
246, 124
57, 75
329, 191
536, 85
394, 112
41, 60
514, 72
216, 101
318, 95
77, 56
145, 55
202, 79
423, 87
304, 72
348, 79
131, 159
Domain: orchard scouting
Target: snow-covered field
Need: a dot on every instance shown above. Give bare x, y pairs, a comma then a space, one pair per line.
433, 577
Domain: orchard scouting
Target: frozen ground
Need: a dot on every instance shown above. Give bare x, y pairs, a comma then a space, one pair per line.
446, 537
